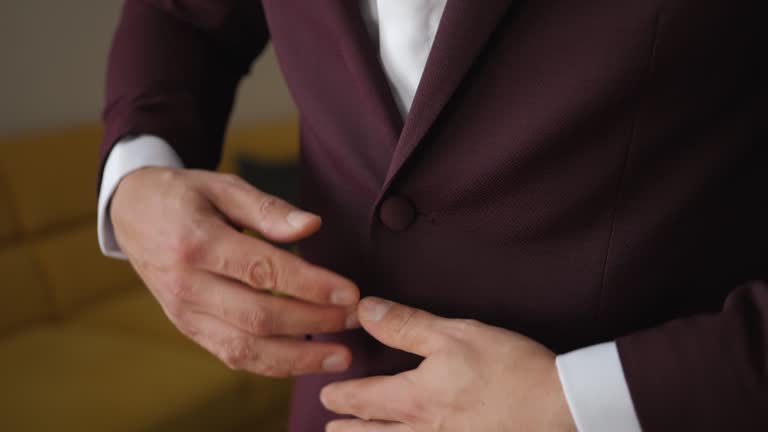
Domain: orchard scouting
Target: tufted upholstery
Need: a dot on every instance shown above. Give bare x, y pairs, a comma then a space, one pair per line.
82, 345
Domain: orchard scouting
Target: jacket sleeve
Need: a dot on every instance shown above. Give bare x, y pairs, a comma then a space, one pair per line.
705, 372
173, 71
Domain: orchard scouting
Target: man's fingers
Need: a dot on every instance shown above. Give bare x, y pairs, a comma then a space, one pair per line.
276, 357
354, 425
257, 313
387, 398
399, 326
251, 208
263, 266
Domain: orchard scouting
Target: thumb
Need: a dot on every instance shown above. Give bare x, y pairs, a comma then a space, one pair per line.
401, 327
250, 208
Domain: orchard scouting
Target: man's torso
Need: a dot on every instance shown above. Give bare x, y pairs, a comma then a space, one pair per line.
570, 170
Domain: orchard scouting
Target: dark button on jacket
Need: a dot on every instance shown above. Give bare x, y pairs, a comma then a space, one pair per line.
397, 213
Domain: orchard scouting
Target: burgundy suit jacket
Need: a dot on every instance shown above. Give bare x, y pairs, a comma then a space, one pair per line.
578, 171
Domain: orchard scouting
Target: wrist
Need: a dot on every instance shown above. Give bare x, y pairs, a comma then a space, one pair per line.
562, 419
124, 190
134, 176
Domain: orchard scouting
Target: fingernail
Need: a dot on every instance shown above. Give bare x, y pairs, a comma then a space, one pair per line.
353, 321
343, 298
324, 394
335, 363
373, 309
298, 218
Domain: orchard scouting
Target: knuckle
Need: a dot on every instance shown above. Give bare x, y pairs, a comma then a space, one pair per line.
222, 264
186, 250
261, 273
258, 321
403, 325
189, 243
266, 205
236, 353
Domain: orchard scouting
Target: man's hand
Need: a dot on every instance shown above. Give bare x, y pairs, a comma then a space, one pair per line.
474, 378
217, 285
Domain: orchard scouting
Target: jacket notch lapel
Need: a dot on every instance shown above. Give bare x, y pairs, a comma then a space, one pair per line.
360, 54
464, 30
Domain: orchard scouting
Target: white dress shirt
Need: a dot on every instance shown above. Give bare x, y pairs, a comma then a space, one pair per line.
592, 378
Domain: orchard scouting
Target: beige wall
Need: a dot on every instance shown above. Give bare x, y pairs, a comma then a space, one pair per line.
53, 55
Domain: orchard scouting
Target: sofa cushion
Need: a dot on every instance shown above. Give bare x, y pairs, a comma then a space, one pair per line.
8, 224
134, 312
51, 177
23, 297
72, 379
76, 271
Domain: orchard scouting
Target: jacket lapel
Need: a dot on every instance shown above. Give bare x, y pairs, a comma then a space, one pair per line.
464, 29
360, 54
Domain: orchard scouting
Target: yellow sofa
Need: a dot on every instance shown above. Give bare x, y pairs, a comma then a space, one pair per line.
83, 346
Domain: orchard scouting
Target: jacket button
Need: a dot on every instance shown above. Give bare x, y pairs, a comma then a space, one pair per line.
397, 213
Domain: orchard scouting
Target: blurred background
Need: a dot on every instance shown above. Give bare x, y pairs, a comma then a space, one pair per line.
83, 346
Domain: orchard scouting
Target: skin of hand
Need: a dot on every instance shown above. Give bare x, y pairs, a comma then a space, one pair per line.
474, 378
180, 231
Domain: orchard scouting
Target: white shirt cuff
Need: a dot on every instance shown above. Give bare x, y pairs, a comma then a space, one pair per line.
126, 157
596, 389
